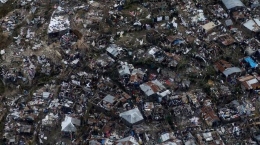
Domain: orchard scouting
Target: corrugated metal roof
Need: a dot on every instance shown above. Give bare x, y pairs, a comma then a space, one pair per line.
231, 70
124, 70
146, 89
127, 141
109, 98
230, 4
252, 26
210, 116
228, 22
151, 87
257, 20
245, 78
221, 65
132, 116
113, 51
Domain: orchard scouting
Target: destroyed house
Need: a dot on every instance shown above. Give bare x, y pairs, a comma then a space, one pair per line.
176, 100
153, 37
194, 99
148, 108
228, 115
224, 91
158, 112
130, 140
108, 97
239, 16
59, 23
253, 48
257, 54
256, 137
25, 129
114, 51
166, 137
226, 39
173, 142
183, 110
109, 102
49, 119
157, 54
210, 138
124, 97
254, 3
173, 59
209, 116
124, 69
94, 142
189, 139
104, 61
175, 40
245, 108
136, 76
217, 11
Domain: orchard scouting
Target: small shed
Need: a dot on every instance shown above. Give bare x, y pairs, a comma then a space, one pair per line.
229, 23
109, 99
209, 26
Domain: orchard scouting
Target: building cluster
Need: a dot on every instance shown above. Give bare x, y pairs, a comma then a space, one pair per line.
131, 72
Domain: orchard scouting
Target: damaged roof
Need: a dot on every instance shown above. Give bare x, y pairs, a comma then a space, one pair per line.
152, 87
221, 65
209, 115
59, 21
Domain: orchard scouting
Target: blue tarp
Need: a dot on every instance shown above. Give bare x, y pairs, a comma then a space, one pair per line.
177, 42
103, 141
251, 62
120, 8
132, 133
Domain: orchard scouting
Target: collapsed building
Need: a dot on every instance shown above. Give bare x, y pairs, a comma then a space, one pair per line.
59, 23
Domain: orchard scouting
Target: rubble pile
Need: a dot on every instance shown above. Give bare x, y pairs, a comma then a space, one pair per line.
129, 72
